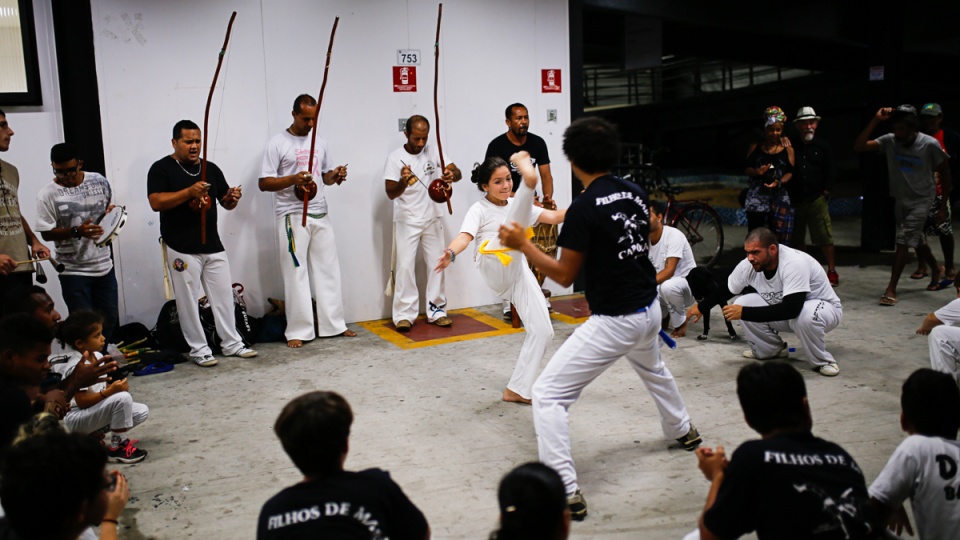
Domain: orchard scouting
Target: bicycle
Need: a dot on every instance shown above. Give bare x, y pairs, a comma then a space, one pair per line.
695, 218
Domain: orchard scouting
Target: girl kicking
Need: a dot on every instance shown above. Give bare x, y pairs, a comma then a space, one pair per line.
504, 270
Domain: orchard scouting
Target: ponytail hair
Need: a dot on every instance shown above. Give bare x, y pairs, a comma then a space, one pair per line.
79, 325
483, 171
533, 503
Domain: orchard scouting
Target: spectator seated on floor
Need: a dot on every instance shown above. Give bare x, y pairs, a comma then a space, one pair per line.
789, 484
106, 406
331, 502
35, 301
943, 330
54, 487
24, 347
533, 504
924, 467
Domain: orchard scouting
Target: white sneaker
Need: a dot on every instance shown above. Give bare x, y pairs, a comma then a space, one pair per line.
829, 370
782, 353
244, 352
204, 361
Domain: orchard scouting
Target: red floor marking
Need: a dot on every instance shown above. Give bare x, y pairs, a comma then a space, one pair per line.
424, 331
574, 306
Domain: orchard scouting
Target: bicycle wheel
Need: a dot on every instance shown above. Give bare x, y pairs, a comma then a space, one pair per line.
704, 231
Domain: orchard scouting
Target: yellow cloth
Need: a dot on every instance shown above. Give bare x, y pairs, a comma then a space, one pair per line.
501, 253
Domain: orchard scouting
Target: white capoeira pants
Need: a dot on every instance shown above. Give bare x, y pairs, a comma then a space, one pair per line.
944, 342
816, 319
409, 237
210, 273
517, 284
319, 270
118, 411
592, 348
675, 298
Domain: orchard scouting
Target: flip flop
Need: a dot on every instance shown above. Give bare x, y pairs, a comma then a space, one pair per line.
888, 301
919, 275
151, 369
941, 285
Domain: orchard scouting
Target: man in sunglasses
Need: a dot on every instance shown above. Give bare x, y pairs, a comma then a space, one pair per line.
68, 212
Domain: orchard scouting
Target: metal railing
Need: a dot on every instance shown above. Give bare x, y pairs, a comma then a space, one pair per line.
610, 86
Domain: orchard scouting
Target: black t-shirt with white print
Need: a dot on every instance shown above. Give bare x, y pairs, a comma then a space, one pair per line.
792, 486
534, 145
348, 505
609, 223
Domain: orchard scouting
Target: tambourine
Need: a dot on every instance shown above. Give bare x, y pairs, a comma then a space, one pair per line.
299, 190
111, 222
440, 191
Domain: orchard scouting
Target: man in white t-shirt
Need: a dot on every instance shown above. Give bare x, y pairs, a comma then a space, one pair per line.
417, 224
308, 255
673, 259
793, 294
943, 328
924, 467
68, 212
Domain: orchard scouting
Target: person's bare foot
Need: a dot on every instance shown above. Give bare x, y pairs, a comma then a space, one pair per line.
680, 331
349, 333
524, 165
294, 343
513, 397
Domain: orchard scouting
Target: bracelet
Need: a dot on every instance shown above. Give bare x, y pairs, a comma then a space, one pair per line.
101, 394
453, 255
105, 520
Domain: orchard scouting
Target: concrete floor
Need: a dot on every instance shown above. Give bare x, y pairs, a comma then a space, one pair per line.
434, 419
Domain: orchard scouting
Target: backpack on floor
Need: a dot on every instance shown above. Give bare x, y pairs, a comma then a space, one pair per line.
167, 332
169, 335
134, 333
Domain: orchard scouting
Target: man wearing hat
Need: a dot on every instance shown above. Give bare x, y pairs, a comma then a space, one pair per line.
931, 118
813, 177
912, 159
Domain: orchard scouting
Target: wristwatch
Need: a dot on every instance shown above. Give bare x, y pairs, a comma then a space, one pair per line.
75, 232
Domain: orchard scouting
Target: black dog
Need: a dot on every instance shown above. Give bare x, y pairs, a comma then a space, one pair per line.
703, 284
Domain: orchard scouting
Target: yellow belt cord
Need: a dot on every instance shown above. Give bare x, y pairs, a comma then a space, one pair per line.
501, 253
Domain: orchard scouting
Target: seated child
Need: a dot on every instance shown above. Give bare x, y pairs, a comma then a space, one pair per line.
924, 466
105, 406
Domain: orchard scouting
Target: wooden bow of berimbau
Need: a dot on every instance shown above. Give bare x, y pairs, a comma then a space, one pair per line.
311, 191
446, 188
205, 201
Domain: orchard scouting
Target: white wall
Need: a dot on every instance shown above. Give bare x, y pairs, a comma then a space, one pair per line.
35, 130
155, 62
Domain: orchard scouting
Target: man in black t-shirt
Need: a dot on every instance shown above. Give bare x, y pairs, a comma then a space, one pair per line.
330, 502
789, 484
175, 189
606, 232
518, 139
814, 175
